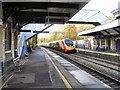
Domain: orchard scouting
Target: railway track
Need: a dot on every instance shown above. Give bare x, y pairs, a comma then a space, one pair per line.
95, 67
107, 64
103, 60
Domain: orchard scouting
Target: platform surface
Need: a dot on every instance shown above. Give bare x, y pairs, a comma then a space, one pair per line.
85, 79
106, 53
37, 72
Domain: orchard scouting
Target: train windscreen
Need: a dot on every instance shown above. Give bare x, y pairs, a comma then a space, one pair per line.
68, 42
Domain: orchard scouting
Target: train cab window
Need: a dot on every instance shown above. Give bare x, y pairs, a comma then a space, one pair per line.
68, 42
57, 44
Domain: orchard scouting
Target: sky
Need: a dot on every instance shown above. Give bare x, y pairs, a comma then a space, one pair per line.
51, 29
105, 6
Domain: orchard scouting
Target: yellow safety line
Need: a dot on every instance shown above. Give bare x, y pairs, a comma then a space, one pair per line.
63, 78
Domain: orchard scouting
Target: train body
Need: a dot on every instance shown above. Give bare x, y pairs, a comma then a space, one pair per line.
88, 43
65, 45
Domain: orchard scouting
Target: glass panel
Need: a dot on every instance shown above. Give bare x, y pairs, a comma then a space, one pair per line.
68, 42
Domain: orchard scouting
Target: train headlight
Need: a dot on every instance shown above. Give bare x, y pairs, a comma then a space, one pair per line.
67, 47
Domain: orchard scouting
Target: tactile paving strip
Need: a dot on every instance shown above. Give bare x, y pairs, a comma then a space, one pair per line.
83, 77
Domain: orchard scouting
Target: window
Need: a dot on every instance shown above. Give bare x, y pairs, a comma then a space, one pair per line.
68, 42
8, 37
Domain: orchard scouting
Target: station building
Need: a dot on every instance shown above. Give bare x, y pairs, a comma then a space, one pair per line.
106, 35
15, 15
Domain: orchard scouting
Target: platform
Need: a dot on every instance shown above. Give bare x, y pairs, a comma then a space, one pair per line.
45, 69
99, 54
85, 80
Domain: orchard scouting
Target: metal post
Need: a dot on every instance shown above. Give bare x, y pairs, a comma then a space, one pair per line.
2, 45
100, 43
3, 48
18, 40
96, 44
105, 44
115, 44
12, 40
111, 44
1, 55
76, 39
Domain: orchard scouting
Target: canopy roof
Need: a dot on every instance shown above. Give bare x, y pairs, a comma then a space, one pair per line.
108, 29
41, 11
94, 17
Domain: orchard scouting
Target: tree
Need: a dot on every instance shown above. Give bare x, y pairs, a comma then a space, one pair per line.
111, 17
83, 27
70, 31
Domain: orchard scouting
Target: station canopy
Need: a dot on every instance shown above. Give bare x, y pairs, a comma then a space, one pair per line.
109, 29
41, 11
94, 17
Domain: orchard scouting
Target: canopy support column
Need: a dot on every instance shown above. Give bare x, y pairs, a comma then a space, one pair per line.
105, 44
2, 44
100, 42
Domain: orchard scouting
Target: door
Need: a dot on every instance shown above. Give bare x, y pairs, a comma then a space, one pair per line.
118, 45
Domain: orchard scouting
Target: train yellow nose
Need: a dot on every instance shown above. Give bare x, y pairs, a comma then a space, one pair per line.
71, 48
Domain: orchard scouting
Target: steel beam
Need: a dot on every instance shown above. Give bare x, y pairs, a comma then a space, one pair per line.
41, 20
40, 5
107, 32
25, 31
62, 1
82, 22
116, 30
40, 31
40, 14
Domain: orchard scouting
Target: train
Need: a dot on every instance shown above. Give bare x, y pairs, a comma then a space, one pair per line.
88, 43
65, 45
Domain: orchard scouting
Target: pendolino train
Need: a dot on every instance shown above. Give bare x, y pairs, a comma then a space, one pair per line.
65, 45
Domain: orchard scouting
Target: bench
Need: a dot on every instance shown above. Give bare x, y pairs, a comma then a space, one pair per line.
17, 63
9, 70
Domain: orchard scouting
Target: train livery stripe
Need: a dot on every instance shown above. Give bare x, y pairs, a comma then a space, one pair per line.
61, 75
64, 46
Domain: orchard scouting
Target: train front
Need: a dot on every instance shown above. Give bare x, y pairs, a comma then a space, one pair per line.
69, 47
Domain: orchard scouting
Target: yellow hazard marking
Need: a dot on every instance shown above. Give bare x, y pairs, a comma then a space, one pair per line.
61, 75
